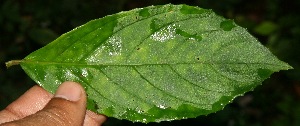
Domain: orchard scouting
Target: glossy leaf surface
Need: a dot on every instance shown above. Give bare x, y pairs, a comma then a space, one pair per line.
156, 63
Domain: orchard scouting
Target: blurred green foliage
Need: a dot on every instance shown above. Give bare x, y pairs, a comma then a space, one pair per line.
28, 25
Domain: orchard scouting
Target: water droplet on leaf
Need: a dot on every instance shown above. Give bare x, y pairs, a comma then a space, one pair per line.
114, 45
165, 33
162, 106
84, 72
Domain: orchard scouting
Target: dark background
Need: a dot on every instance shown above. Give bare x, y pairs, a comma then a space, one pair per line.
27, 25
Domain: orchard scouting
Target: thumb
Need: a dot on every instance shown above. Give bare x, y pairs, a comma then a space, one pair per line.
67, 108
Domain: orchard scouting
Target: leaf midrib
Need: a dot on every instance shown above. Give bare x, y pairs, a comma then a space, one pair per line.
142, 64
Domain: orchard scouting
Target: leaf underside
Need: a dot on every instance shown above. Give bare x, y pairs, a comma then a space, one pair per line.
157, 63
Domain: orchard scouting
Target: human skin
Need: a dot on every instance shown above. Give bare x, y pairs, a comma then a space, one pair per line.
67, 107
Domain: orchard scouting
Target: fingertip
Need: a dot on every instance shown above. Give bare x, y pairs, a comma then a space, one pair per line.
67, 107
92, 118
71, 91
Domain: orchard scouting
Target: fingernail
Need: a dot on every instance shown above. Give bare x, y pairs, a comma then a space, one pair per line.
69, 90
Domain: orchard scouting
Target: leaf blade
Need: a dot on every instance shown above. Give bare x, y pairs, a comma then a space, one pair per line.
163, 63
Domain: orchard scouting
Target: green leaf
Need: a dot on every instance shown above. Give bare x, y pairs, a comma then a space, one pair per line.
156, 63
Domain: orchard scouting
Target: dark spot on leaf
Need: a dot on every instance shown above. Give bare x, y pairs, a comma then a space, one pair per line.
138, 48
264, 73
188, 35
182, 33
155, 25
198, 58
227, 25
185, 9
197, 37
109, 111
144, 12
96, 106
92, 105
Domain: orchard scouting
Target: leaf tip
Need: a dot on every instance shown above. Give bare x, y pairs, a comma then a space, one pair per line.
287, 66
290, 67
12, 63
